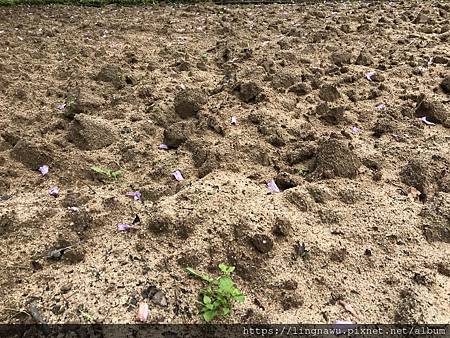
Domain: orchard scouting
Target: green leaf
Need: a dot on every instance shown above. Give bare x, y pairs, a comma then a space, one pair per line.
240, 298
218, 302
209, 315
226, 285
117, 174
100, 170
223, 267
225, 311
303, 172
206, 299
207, 278
226, 269
87, 316
196, 274
192, 271
220, 293
107, 172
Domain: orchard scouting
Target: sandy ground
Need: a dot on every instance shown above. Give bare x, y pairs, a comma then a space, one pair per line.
328, 101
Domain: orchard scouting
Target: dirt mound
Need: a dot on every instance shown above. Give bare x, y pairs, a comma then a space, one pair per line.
434, 111
436, 215
335, 159
329, 93
111, 74
282, 80
332, 115
189, 102
426, 175
445, 85
341, 58
81, 102
300, 89
89, 133
364, 59
177, 133
249, 92
30, 154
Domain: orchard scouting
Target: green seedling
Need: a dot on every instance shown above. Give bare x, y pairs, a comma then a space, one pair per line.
303, 172
156, 109
107, 172
85, 314
70, 101
220, 294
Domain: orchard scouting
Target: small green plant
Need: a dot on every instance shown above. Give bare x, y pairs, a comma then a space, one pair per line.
218, 297
70, 101
303, 172
107, 172
85, 314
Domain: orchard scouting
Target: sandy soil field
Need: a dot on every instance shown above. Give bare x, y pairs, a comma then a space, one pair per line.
311, 143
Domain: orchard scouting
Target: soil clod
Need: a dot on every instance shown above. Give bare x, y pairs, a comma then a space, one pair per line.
335, 159
300, 89
282, 227
364, 59
111, 74
434, 111
332, 115
90, 133
249, 92
286, 181
176, 134
329, 93
30, 154
188, 102
445, 85
262, 243
341, 58
436, 218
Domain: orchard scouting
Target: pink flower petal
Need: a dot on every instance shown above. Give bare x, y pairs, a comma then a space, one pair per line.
178, 176
381, 106
61, 106
233, 120
123, 227
73, 209
369, 75
163, 146
341, 322
43, 169
356, 130
424, 120
143, 312
54, 191
273, 186
135, 194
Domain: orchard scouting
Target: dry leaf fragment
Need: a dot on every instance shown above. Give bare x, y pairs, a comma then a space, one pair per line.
348, 307
413, 194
